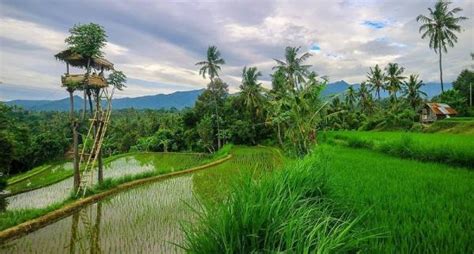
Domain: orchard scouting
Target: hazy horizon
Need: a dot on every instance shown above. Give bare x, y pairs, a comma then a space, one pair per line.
156, 44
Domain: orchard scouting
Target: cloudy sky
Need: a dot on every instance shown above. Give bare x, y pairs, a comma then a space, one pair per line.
157, 43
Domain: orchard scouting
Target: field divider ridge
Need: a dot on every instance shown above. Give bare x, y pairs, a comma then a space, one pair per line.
53, 216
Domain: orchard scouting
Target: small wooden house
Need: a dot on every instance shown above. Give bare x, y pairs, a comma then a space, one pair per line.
436, 111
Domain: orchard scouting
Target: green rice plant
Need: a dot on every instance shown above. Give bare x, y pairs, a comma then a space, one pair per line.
453, 149
423, 207
284, 211
144, 219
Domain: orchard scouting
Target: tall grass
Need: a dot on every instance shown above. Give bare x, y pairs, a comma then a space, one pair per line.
424, 207
284, 211
445, 148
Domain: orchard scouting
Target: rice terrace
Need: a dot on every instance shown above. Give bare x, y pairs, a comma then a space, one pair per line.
237, 126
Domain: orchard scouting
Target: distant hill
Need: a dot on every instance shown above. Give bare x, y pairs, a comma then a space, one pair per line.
181, 100
430, 88
177, 100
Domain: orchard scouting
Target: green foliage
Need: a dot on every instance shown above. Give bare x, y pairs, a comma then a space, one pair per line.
444, 148
87, 39
454, 99
293, 68
422, 207
462, 84
117, 79
376, 79
285, 211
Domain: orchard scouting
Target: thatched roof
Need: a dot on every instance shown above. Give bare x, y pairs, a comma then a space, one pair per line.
77, 60
77, 80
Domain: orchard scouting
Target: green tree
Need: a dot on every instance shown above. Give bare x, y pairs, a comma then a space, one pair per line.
412, 91
351, 97
86, 40
394, 78
365, 98
440, 26
463, 83
293, 68
376, 79
251, 94
211, 66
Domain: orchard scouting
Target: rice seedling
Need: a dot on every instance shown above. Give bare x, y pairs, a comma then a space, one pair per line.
424, 207
120, 167
445, 148
142, 220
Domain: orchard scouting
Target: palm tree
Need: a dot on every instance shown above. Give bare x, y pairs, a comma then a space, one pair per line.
376, 78
251, 90
293, 66
440, 26
365, 97
251, 93
350, 96
412, 91
211, 66
394, 78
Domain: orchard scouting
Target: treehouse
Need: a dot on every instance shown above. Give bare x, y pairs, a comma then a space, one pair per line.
79, 80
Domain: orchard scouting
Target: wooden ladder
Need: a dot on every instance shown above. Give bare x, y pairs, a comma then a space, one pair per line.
90, 153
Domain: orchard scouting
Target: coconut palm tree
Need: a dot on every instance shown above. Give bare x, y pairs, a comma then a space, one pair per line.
251, 92
365, 98
211, 66
394, 78
440, 26
412, 91
376, 78
350, 96
293, 66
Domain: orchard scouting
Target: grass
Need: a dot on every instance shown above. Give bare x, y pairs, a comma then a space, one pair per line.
458, 125
444, 148
424, 207
284, 211
152, 212
161, 163
47, 174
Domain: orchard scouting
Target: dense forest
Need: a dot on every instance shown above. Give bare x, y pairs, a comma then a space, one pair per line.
255, 115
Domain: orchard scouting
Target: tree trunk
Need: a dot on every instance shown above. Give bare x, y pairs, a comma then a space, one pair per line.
279, 135
217, 116
100, 171
75, 138
441, 70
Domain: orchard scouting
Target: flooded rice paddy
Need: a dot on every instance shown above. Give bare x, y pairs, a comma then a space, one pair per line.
129, 165
146, 219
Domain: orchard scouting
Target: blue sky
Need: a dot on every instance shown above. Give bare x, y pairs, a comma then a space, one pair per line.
157, 43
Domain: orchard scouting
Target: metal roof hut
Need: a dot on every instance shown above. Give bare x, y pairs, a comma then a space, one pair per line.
79, 80
436, 111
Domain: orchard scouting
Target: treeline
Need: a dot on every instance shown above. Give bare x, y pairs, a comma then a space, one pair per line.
289, 114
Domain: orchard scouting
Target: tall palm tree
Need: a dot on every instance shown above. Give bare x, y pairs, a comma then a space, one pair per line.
251, 89
350, 96
376, 78
251, 92
412, 91
293, 66
440, 26
394, 78
365, 97
211, 66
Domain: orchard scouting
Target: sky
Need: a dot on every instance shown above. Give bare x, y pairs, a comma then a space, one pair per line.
157, 43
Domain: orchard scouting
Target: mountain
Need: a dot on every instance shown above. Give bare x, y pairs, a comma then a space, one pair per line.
430, 88
177, 100
184, 99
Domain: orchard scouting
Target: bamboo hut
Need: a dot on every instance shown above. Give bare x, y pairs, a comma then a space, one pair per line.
78, 80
